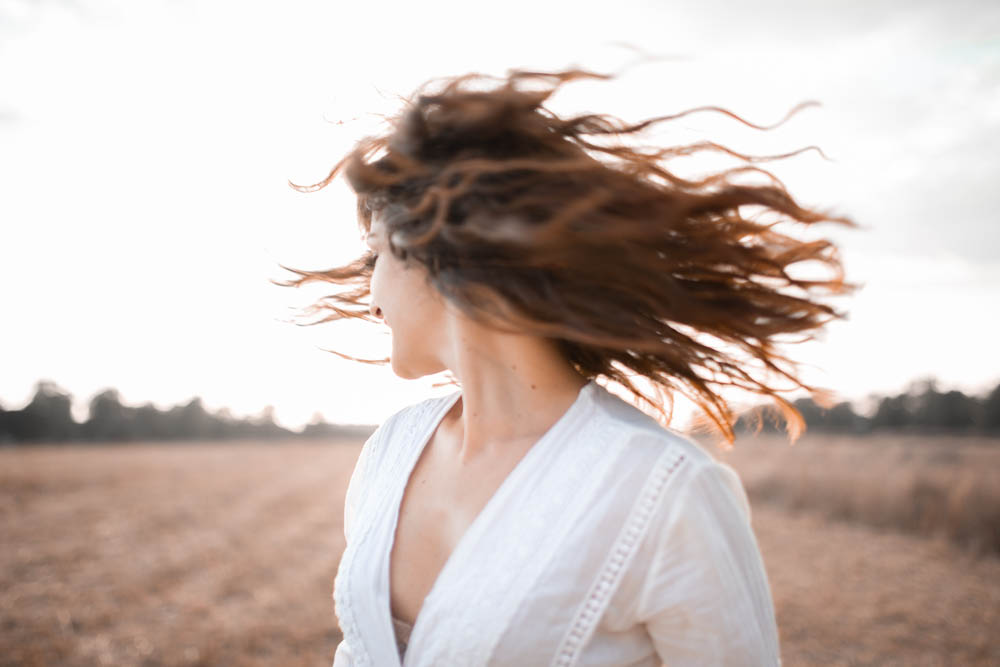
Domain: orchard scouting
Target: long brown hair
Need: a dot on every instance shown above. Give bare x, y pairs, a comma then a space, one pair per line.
554, 227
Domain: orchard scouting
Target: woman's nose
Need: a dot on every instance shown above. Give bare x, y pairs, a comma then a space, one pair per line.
374, 310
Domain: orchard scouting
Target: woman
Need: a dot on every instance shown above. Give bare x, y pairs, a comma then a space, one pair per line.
533, 516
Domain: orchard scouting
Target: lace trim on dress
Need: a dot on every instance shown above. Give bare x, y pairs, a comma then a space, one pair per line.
342, 594
616, 563
462, 639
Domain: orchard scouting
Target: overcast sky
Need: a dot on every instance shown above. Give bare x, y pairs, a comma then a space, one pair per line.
145, 149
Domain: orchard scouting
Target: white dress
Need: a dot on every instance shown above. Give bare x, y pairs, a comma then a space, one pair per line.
614, 541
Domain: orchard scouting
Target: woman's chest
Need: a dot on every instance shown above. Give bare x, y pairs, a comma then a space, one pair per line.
440, 503
521, 574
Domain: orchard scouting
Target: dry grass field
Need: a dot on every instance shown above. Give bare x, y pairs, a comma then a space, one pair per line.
224, 554
938, 487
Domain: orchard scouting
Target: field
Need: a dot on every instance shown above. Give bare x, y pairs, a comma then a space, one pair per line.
224, 554
938, 487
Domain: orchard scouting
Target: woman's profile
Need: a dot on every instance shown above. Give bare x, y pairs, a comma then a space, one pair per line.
533, 516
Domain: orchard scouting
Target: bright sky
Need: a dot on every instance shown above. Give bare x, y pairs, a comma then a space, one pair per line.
145, 149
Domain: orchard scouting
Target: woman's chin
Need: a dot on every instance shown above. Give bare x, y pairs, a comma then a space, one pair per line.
401, 369
410, 371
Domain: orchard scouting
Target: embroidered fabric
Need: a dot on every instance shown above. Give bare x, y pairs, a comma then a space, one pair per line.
618, 558
358, 494
544, 518
616, 542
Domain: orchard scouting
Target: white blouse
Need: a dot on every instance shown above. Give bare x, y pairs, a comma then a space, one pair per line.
614, 541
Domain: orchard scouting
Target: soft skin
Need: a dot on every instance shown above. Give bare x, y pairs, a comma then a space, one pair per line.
514, 389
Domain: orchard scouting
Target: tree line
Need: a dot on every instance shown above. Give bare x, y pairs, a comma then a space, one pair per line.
922, 408
48, 418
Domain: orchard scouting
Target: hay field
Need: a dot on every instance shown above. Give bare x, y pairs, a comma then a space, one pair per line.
224, 554
942, 487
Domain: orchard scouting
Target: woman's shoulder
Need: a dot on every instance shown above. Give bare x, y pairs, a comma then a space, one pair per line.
384, 451
412, 412
401, 425
411, 418
691, 558
639, 435
677, 470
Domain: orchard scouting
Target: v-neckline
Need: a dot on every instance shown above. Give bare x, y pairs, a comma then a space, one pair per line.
477, 522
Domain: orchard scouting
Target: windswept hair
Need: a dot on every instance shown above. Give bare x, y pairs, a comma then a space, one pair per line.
555, 227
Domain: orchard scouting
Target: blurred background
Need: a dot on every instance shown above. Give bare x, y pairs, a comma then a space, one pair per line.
174, 449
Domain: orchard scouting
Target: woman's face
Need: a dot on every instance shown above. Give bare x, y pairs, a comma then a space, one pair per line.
411, 308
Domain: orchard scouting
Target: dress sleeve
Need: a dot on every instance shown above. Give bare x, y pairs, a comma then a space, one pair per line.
705, 599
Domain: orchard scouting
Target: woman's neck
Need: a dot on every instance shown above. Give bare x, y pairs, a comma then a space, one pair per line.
514, 388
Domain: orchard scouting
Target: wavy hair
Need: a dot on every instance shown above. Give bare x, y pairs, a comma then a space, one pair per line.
557, 227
